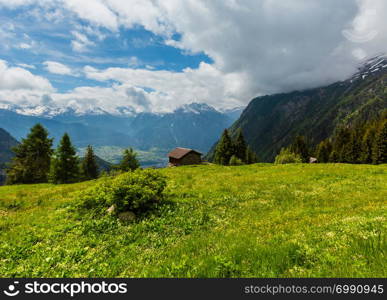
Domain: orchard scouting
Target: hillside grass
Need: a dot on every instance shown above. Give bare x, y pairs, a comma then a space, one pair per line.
260, 220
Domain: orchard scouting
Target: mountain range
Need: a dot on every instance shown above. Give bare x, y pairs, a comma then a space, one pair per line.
195, 125
271, 122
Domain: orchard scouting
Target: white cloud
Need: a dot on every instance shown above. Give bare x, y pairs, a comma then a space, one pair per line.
58, 68
94, 11
134, 61
275, 46
20, 86
25, 46
26, 66
173, 89
81, 42
15, 78
258, 47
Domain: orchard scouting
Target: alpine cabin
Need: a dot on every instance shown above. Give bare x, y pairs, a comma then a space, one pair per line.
184, 156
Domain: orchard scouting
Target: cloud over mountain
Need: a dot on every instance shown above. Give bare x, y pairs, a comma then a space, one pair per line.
255, 48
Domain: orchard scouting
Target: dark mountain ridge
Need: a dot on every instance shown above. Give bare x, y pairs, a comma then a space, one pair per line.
271, 122
7, 142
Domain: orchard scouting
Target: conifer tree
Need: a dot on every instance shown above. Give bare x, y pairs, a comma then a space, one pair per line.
31, 163
323, 151
251, 157
129, 161
89, 165
300, 147
380, 145
64, 166
240, 146
341, 144
224, 149
334, 157
367, 145
354, 147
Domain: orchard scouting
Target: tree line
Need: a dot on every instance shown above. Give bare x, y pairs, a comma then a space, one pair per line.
361, 143
35, 161
234, 152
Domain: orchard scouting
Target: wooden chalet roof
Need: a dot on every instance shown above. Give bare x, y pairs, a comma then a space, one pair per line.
181, 152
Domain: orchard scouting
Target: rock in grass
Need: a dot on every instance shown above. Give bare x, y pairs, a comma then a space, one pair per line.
112, 209
127, 216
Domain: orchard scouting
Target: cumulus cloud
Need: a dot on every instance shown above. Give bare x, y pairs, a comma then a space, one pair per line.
58, 68
203, 84
94, 11
275, 45
20, 86
15, 78
81, 42
257, 47
26, 66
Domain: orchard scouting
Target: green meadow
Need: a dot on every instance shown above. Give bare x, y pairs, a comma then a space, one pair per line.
262, 220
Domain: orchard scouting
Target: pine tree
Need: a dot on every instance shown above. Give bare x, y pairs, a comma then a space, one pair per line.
341, 145
300, 147
354, 146
224, 149
323, 151
334, 157
129, 161
251, 157
240, 146
31, 163
89, 165
380, 145
64, 166
367, 145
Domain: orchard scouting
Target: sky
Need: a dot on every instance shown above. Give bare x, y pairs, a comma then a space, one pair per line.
156, 55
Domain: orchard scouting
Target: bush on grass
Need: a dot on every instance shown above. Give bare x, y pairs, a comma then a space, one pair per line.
135, 191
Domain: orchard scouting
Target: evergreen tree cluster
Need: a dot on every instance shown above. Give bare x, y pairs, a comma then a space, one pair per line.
362, 143
298, 152
234, 152
36, 162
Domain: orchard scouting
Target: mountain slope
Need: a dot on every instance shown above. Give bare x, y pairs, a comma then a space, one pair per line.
81, 134
192, 126
7, 142
271, 122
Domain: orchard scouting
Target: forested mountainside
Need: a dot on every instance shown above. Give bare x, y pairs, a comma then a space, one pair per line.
272, 122
6, 154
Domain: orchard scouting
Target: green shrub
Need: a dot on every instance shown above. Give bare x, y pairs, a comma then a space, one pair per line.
287, 157
235, 161
134, 191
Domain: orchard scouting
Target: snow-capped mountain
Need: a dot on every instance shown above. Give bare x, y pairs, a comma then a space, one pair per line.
371, 66
195, 108
195, 125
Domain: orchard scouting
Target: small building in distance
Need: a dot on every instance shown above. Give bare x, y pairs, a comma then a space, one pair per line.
184, 156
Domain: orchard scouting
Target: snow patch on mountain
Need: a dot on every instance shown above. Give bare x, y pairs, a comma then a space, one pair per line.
370, 66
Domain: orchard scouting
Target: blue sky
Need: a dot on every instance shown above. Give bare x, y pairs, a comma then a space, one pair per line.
34, 43
156, 55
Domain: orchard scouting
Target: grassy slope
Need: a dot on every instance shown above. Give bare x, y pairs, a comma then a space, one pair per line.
250, 221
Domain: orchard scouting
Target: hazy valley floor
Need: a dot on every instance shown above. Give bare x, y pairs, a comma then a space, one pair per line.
260, 220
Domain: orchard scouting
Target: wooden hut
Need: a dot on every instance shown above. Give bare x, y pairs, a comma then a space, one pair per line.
184, 156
